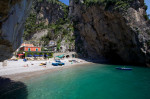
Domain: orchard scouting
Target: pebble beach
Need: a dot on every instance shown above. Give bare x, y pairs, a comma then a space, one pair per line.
18, 68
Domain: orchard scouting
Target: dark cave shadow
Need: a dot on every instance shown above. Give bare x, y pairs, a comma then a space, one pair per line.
118, 63
12, 89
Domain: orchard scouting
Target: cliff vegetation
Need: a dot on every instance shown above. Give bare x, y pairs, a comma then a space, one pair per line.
50, 15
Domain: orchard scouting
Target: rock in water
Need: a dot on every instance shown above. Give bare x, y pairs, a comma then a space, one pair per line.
13, 14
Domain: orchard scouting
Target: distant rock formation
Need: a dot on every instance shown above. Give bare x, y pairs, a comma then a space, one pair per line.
13, 14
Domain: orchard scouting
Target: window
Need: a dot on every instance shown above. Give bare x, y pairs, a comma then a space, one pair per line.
36, 49
29, 49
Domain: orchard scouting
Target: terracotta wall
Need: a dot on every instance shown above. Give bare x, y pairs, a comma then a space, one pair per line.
32, 48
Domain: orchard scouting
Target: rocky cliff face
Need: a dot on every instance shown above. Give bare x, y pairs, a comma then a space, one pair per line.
49, 21
43, 13
111, 35
101, 32
48, 12
13, 14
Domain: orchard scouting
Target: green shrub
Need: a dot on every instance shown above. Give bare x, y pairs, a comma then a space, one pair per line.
122, 5
42, 49
52, 54
46, 40
146, 7
146, 17
37, 53
28, 53
41, 54
58, 45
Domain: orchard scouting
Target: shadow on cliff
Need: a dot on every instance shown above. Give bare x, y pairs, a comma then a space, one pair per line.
12, 89
111, 62
110, 57
115, 60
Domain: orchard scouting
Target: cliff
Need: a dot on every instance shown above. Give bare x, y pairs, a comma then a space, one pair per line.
112, 31
13, 14
49, 21
42, 14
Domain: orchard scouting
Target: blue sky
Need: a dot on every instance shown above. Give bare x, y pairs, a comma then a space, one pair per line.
65, 1
148, 4
146, 1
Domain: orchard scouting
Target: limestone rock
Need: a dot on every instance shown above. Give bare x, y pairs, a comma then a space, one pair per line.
111, 35
48, 12
12, 18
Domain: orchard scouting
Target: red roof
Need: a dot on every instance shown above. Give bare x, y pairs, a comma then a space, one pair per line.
27, 45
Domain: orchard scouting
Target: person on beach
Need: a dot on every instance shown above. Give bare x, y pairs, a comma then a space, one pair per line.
23, 56
26, 65
4, 63
45, 56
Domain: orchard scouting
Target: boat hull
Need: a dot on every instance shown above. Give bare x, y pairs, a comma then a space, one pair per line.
119, 68
55, 64
61, 63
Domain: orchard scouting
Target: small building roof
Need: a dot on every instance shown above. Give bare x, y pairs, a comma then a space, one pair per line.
27, 45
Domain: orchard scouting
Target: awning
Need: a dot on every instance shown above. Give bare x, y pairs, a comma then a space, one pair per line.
61, 56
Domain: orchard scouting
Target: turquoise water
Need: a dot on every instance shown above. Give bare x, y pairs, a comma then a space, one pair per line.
89, 82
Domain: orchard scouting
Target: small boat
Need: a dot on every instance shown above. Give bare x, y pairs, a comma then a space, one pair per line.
123, 68
42, 64
60, 63
57, 61
55, 64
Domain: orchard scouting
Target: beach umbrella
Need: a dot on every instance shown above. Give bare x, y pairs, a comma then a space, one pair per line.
20, 55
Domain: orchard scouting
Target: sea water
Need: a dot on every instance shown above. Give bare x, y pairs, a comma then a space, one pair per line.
91, 82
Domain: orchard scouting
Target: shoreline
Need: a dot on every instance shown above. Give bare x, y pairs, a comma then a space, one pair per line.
22, 76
